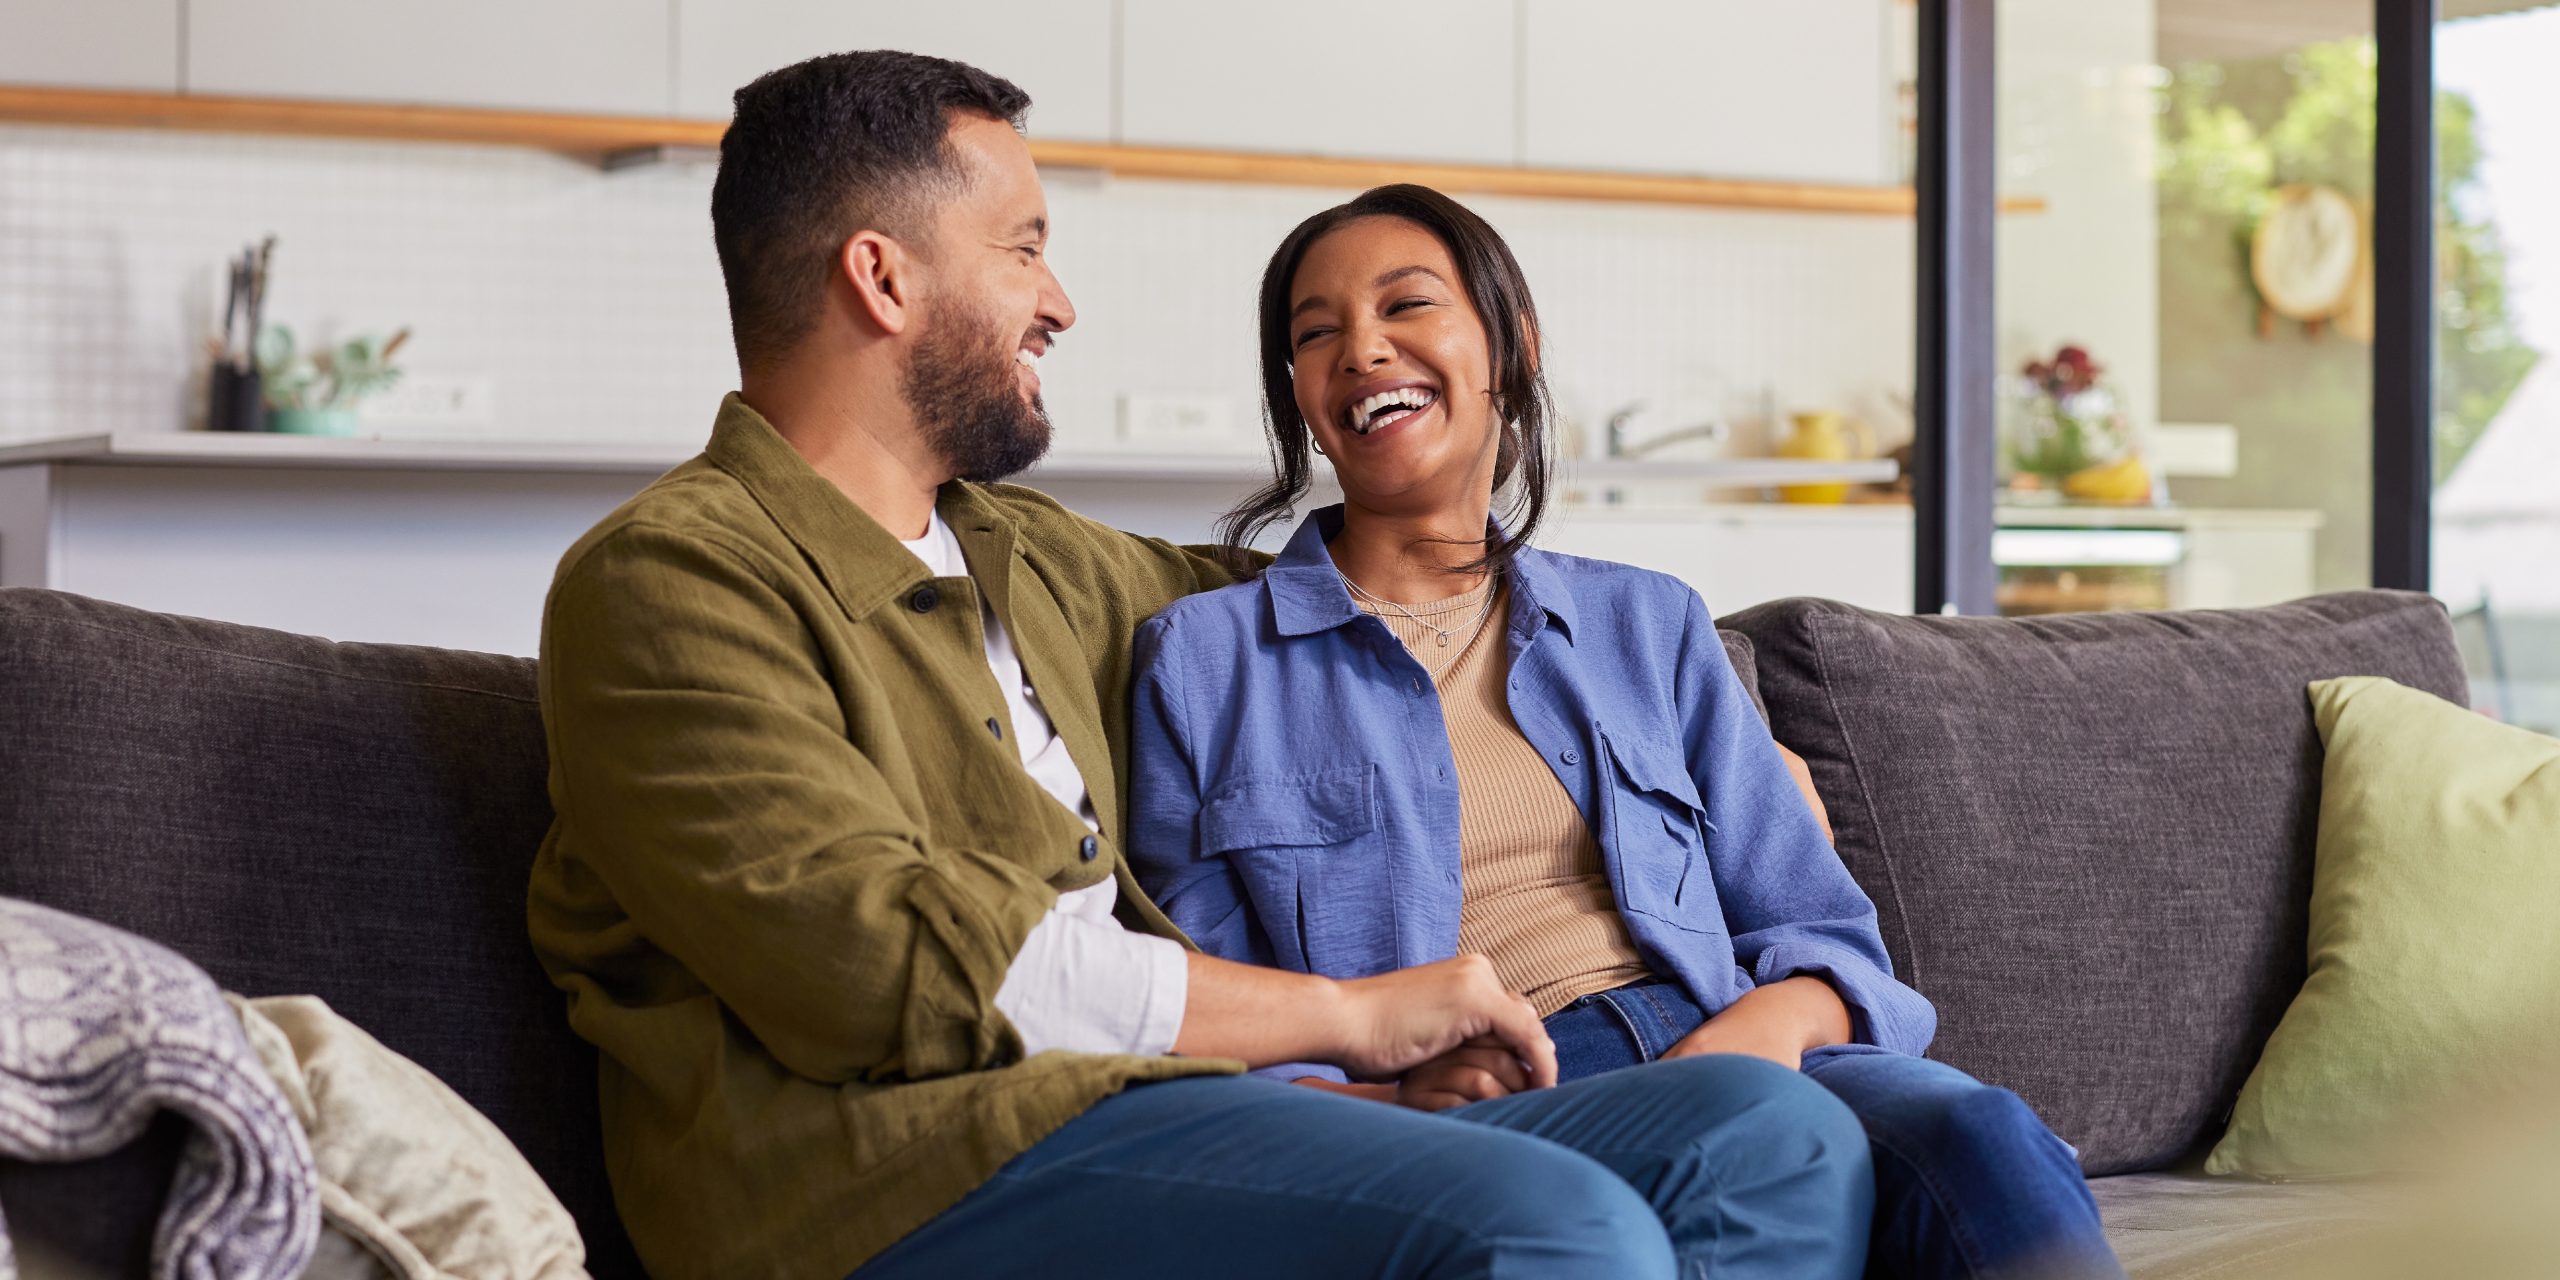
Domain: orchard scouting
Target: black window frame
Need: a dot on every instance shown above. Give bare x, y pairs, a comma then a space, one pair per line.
1954, 456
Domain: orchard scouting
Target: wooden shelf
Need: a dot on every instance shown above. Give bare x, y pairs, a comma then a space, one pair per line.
592, 137
602, 138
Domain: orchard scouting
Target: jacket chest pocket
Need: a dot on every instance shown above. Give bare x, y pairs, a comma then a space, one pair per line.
1307, 848
1658, 831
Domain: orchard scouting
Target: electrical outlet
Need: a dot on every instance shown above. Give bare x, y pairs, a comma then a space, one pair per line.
2196, 449
429, 400
1190, 421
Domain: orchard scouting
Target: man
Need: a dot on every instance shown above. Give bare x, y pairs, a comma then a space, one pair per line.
836, 731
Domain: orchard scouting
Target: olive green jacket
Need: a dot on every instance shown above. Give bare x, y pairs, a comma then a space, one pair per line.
791, 861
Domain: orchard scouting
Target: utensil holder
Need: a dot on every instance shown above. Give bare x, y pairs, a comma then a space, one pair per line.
237, 399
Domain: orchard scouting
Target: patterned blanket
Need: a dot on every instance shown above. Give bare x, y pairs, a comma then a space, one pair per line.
99, 1030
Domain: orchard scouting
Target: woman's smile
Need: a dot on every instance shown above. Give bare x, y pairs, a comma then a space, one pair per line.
1375, 408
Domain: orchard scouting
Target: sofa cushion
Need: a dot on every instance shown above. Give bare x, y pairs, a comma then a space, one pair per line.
351, 821
2088, 836
2433, 1002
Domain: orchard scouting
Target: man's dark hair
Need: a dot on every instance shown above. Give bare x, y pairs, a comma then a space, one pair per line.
1499, 291
820, 150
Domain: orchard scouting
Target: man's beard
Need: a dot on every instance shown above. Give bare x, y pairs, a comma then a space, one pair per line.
967, 399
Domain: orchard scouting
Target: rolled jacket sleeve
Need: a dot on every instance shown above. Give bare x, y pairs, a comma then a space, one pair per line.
1791, 906
701, 747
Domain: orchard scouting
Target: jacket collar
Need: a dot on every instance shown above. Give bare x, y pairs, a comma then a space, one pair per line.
1307, 594
863, 564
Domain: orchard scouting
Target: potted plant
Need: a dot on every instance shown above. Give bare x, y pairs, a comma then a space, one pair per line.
2067, 431
315, 393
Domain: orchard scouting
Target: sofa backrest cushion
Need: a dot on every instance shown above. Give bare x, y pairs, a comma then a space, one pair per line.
351, 821
2088, 836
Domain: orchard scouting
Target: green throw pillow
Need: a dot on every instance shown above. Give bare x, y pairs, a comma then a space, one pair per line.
2434, 989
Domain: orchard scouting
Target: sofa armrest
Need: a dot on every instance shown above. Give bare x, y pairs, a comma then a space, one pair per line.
93, 1218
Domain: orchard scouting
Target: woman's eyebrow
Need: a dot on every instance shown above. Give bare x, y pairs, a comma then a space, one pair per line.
1401, 273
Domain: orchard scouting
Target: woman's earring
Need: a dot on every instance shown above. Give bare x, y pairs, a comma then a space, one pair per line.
1311, 443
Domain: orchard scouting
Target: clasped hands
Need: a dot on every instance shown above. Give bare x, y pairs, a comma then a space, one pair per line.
1779, 1022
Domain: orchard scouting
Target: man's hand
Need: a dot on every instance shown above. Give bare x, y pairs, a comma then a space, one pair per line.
1397, 1021
1779, 1022
1373, 1028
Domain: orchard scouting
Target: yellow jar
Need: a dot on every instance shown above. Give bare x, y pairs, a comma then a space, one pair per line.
1824, 436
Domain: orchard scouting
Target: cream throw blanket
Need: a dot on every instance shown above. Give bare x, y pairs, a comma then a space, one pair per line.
414, 1183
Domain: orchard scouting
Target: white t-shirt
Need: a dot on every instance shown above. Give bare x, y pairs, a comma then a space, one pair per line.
1082, 981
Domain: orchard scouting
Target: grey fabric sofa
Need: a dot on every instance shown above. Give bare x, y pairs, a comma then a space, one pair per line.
2089, 839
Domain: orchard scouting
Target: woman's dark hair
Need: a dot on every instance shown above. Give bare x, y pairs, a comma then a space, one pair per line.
1500, 293
820, 150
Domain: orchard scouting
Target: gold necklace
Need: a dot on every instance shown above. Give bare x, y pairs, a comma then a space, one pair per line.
1440, 633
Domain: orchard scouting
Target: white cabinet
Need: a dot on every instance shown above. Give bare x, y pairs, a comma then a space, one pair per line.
1797, 90
1740, 554
90, 44
601, 56
1059, 52
1400, 79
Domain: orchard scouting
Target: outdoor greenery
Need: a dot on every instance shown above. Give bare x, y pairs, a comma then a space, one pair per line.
2232, 132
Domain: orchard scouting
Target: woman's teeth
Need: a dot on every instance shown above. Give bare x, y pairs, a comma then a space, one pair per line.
1386, 408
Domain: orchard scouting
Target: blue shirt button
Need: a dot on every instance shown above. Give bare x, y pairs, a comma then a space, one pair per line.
1572, 757
1090, 849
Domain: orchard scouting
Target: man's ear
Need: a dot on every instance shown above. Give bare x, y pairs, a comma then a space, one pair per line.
882, 275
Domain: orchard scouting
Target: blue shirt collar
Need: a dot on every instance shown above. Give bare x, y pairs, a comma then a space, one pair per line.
1307, 595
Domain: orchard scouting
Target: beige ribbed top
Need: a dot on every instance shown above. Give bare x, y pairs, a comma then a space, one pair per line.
1536, 899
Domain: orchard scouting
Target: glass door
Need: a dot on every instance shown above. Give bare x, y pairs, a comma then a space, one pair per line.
2496, 508
2184, 302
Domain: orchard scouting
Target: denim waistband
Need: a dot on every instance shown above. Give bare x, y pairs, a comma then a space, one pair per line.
1656, 1013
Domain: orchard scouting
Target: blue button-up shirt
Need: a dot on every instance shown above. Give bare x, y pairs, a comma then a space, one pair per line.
1294, 802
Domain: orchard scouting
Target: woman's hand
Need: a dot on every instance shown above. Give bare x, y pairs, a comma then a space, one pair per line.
1779, 1022
1478, 1071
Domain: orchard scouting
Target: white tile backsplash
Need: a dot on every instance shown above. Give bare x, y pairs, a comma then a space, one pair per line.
591, 303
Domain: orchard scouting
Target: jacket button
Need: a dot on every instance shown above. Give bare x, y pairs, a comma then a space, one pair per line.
1572, 757
1090, 849
924, 599
994, 728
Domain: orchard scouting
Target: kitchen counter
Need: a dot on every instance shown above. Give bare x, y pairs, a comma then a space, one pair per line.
453, 542
1739, 553
261, 449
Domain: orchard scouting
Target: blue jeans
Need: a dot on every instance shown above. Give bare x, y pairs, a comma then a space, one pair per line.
1721, 1166
1969, 1183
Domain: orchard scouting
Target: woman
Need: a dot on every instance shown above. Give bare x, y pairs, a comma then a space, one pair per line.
1414, 735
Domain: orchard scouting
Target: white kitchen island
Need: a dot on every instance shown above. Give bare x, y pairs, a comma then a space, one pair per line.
453, 543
